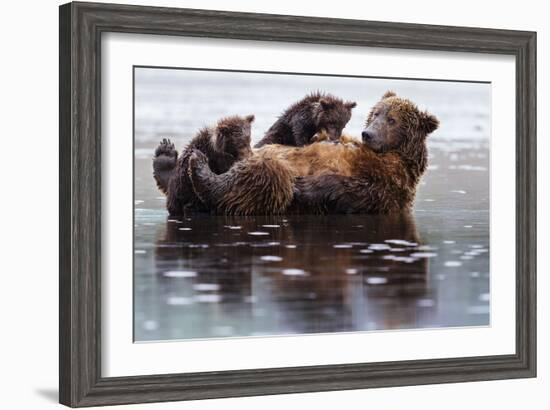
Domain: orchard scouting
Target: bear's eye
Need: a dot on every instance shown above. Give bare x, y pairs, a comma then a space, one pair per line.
391, 121
375, 114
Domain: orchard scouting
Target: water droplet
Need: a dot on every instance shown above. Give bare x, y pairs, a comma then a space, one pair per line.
271, 226
184, 229
449, 242
453, 264
140, 251
485, 297
351, 271
290, 246
258, 233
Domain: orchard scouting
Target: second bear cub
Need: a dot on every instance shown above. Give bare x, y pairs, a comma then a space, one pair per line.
223, 145
301, 121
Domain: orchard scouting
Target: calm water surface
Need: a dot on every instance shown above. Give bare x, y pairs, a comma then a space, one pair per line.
212, 276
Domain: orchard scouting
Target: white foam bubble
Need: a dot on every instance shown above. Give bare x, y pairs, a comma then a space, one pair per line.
208, 298
423, 255
400, 242
294, 272
206, 287
379, 247
180, 274
271, 258
179, 301
374, 280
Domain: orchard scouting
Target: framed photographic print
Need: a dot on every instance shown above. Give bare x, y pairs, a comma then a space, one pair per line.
259, 204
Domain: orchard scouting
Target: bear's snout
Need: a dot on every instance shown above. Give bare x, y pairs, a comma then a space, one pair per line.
367, 135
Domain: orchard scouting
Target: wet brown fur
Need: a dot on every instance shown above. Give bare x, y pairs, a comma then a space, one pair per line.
223, 145
379, 175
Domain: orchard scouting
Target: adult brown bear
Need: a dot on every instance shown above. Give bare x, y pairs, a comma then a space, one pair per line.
378, 176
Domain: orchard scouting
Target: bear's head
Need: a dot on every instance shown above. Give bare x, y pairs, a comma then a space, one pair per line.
396, 124
232, 136
331, 114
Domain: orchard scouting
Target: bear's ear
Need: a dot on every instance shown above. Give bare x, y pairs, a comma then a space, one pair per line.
389, 94
249, 118
350, 104
326, 103
428, 122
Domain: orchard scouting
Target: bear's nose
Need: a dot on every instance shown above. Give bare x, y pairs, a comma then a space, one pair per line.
367, 135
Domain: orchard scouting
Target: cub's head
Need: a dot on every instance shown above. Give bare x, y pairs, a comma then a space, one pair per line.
396, 124
331, 114
232, 136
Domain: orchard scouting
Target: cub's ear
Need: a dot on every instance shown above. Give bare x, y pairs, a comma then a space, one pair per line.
350, 104
428, 122
389, 94
249, 118
326, 103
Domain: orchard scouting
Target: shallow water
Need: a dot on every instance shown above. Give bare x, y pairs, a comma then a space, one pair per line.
205, 276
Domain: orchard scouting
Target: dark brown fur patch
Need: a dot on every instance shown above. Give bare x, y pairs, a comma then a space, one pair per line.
303, 119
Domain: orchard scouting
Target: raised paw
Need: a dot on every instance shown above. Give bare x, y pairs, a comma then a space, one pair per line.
166, 148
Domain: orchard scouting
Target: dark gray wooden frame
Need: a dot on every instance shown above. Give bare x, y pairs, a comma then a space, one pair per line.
81, 27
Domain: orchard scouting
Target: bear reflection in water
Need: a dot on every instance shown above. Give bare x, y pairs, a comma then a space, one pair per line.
295, 274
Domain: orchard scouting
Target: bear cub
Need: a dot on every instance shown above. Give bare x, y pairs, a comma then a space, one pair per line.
223, 145
302, 120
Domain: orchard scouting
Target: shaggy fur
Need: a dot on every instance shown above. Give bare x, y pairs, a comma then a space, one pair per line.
222, 146
316, 112
378, 176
